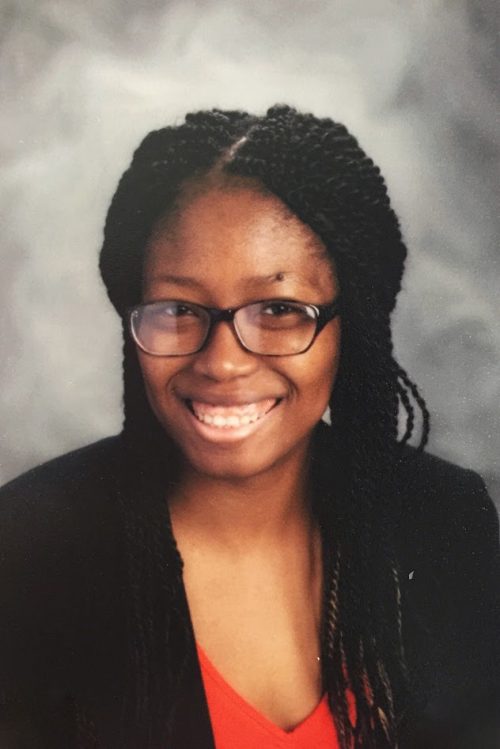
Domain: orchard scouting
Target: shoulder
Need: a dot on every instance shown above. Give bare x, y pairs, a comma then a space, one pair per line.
426, 473
438, 501
60, 500
447, 542
60, 521
91, 463
61, 484
61, 552
427, 493
60, 512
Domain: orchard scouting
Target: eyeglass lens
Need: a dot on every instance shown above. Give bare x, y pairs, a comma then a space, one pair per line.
179, 328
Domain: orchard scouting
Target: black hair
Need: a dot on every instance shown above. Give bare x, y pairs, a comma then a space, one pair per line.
316, 167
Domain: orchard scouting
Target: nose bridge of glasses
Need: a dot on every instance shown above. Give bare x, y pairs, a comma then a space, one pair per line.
217, 315
221, 315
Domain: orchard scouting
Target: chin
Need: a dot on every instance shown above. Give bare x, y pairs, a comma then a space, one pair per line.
232, 468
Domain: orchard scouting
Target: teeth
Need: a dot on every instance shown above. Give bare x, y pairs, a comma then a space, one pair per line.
231, 417
229, 421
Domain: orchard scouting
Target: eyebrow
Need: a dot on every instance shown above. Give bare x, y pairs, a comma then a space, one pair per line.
177, 280
189, 282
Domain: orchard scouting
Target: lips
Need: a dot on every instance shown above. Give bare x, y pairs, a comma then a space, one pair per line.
231, 416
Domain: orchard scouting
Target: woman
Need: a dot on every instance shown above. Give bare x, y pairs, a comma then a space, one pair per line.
231, 571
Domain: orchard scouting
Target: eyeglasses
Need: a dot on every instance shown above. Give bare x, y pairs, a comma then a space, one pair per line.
272, 327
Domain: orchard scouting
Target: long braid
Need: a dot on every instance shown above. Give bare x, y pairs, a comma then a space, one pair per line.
154, 565
371, 523
408, 385
316, 168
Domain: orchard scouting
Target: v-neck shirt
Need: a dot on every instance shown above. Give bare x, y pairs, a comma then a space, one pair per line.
237, 723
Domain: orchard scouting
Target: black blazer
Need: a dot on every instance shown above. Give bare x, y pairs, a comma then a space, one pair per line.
62, 620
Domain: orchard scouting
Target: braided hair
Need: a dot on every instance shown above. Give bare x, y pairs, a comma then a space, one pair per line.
319, 171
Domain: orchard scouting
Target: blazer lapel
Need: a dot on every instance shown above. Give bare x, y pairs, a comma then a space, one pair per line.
191, 727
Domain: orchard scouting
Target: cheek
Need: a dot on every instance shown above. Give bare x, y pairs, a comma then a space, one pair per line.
325, 356
150, 373
156, 374
314, 374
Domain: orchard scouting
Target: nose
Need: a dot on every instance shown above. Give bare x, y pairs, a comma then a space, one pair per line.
223, 357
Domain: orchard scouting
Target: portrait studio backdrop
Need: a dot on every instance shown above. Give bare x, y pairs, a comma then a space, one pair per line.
81, 84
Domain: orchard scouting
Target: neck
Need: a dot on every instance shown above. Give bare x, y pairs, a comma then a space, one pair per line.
248, 513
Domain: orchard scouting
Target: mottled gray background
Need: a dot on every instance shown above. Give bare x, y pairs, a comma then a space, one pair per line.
81, 84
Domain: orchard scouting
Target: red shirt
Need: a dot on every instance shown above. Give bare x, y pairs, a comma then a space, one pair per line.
235, 723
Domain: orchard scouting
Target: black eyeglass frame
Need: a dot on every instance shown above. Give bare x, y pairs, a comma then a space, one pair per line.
323, 314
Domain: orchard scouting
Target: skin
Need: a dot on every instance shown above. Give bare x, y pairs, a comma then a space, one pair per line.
241, 511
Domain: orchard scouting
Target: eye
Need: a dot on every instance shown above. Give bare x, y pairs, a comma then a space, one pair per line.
285, 310
279, 308
177, 309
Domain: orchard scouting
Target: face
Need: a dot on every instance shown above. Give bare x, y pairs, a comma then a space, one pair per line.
224, 248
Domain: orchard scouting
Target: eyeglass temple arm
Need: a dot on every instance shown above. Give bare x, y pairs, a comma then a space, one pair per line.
327, 312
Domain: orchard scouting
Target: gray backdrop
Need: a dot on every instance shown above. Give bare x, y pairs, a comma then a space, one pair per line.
81, 84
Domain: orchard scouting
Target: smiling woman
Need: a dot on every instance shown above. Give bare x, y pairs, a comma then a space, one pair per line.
231, 570
229, 247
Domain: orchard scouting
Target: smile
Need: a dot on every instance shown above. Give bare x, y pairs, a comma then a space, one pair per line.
229, 423
231, 417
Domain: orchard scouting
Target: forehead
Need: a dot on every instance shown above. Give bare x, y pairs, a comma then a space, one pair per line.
235, 236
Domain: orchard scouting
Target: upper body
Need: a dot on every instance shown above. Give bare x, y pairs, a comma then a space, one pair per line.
63, 629
255, 263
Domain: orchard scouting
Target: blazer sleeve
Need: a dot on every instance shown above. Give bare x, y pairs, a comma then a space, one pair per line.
58, 593
38, 595
451, 613
472, 571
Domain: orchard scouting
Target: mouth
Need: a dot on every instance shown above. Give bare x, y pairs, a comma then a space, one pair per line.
229, 417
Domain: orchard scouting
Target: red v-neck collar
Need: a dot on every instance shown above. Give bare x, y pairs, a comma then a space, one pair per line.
307, 727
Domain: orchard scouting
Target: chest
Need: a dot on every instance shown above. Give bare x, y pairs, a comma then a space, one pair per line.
258, 621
